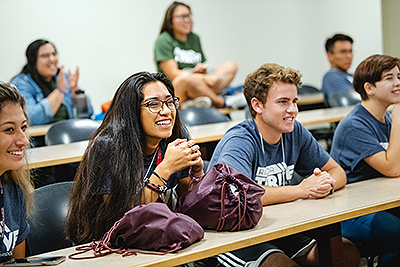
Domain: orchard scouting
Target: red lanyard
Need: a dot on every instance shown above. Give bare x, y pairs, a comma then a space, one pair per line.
159, 159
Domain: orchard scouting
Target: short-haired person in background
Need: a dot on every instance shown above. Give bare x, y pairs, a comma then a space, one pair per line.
268, 148
367, 145
339, 51
178, 54
48, 91
15, 183
140, 149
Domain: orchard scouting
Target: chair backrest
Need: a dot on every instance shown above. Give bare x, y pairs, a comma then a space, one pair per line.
48, 219
343, 99
69, 131
197, 116
307, 89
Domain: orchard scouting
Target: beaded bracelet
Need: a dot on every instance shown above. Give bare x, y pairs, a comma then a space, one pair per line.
61, 91
159, 189
194, 178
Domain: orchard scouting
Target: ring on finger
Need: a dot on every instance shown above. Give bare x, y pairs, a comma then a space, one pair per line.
192, 150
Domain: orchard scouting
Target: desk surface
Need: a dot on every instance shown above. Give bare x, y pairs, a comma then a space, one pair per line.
323, 115
277, 221
62, 154
309, 99
38, 130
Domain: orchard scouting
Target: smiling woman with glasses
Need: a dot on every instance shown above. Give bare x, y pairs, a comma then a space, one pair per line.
47, 89
141, 153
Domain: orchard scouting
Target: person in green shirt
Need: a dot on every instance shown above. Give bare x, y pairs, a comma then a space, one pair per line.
179, 55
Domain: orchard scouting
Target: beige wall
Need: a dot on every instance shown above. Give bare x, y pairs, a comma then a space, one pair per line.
390, 27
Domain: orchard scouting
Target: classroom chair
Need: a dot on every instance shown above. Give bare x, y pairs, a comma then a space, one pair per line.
307, 89
69, 131
343, 99
66, 132
197, 116
48, 219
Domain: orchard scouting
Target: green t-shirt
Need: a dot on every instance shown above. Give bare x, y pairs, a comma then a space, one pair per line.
187, 54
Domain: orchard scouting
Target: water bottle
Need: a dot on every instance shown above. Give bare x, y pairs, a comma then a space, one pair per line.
81, 106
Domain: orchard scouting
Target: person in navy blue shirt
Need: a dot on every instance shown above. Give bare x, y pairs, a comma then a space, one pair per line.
15, 183
339, 51
367, 145
268, 148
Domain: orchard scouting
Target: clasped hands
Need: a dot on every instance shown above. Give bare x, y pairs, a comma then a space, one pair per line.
317, 185
181, 154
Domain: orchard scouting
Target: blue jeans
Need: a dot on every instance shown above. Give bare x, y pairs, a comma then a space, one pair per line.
379, 232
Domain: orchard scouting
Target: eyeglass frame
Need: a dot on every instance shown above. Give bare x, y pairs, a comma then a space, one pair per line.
183, 16
175, 100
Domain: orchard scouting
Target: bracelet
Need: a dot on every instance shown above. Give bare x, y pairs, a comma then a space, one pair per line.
193, 177
61, 91
159, 189
159, 177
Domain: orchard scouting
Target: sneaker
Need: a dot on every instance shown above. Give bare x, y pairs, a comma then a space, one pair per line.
235, 101
198, 102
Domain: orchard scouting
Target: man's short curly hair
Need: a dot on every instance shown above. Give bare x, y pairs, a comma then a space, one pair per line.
258, 83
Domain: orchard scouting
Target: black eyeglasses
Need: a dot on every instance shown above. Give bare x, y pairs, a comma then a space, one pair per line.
156, 105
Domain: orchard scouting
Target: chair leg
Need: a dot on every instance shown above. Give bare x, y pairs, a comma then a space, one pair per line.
370, 261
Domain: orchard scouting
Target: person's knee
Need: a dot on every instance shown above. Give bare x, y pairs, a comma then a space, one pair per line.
187, 82
278, 259
232, 66
182, 79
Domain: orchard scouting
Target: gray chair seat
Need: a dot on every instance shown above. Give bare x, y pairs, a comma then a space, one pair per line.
48, 219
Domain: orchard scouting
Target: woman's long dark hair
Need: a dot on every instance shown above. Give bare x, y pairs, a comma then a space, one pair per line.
116, 151
30, 67
167, 23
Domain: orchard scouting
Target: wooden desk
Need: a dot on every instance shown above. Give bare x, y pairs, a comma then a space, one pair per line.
38, 130
225, 111
324, 115
310, 99
277, 221
55, 155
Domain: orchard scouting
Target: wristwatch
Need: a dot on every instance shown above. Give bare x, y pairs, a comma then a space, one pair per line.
332, 190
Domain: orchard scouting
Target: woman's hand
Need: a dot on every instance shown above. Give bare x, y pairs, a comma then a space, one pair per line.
61, 80
200, 68
73, 81
180, 154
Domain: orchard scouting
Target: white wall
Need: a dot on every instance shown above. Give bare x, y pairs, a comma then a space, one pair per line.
110, 40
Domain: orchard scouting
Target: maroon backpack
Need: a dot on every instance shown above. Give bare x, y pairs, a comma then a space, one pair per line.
152, 227
224, 200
